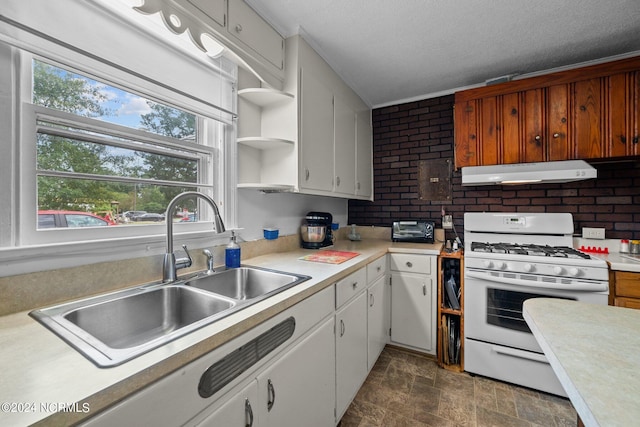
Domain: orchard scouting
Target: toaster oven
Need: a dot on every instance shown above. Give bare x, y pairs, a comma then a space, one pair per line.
413, 231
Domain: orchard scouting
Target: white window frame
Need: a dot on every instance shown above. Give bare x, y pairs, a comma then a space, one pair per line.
22, 248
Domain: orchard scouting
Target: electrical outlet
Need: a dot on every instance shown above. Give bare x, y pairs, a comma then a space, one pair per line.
592, 233
447, 222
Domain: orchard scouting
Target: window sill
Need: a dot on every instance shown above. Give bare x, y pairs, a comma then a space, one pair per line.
36, 258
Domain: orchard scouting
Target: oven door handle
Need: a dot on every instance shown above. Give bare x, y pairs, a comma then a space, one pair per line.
583, 286
536, 357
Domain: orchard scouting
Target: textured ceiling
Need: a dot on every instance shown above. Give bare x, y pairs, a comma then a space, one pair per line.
391, 51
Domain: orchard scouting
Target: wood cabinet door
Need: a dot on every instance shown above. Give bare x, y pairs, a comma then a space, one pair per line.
465, 124
534, 135
511, 138
488, 132
558, 137
587, 113
634, 147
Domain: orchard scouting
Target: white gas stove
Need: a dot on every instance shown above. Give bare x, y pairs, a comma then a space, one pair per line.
509, 258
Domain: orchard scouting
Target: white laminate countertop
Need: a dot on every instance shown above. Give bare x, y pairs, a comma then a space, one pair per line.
41, 373
621, 262
595, 352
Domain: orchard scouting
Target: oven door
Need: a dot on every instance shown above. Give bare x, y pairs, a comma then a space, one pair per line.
493, 309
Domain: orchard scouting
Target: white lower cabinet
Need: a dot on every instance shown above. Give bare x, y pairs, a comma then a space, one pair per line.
238, 410
413, 299
297, 390
377, 319
351, 351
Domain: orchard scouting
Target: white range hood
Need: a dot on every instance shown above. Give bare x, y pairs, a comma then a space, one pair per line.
528, 173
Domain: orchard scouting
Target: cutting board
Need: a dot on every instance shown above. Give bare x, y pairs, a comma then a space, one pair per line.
330, 257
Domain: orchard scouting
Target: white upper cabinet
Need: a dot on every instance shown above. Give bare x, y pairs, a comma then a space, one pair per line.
249, 28
316, 131
344, 147
312, 137
214, 10
364, 156
240, 29
332, 141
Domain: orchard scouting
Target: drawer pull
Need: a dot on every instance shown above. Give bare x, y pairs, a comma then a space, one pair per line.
355, 285
409, 264
342, 328
424, 289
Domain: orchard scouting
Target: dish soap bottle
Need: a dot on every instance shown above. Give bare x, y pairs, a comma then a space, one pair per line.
232, 253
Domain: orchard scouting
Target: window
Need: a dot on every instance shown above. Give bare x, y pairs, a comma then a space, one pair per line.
107, 151
103, 123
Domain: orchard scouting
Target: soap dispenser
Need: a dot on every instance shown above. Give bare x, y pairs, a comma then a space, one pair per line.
232, 253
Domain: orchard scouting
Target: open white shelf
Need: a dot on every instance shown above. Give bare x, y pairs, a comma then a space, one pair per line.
262, 143
266, 187
264, 97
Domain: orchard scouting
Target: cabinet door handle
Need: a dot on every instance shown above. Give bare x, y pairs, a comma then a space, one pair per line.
306, 174
271, 395
372, 300
378, 268
238, 28
248, 412
424, 289
338, 181
355, 285
409, 264
556, 135
342, 328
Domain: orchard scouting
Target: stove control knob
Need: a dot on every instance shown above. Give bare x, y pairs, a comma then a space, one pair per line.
501, 265
488, 264
574, 272
558, 270
528, 268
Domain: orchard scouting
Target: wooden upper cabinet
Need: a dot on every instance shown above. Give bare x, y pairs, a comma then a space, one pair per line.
535, 137
465, 133
623, 100
587, 113
588, 119
558, 136
510, 127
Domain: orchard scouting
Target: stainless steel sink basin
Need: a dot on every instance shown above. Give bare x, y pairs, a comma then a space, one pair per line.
114, 328
246, 283
134, 320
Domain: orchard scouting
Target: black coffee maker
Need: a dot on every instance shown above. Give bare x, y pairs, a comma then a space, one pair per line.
315, 231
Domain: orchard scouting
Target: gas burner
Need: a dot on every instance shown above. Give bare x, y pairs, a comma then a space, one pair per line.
528, 249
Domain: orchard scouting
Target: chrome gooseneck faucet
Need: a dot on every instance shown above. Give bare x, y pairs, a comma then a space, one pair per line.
170, 264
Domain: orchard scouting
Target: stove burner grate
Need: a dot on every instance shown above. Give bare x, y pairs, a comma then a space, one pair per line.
528, 249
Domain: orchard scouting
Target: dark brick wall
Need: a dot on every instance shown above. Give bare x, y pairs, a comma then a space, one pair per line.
407, 133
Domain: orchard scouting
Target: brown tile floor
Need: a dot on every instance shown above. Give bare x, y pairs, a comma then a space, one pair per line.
407, 389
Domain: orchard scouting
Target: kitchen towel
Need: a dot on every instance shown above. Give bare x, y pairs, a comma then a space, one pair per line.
330, 257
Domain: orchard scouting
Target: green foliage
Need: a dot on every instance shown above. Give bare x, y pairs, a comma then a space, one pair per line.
64, 91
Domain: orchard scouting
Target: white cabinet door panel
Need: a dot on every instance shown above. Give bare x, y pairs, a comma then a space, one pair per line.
351, 351
299, 388
412, 307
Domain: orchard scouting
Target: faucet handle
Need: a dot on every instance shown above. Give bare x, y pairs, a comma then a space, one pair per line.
184, 262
